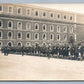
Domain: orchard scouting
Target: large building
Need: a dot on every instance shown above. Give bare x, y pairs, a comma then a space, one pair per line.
25, 25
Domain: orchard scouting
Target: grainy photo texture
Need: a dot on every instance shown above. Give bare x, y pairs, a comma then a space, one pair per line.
38, 42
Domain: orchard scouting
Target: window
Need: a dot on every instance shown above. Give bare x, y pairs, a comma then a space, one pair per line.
65, 37
44, 14
1, 23
51, 37
44, 44
1, 34
28, 44
44, 27
19, 11
10, 44
10, 9
51, 15
1, 44
0, 8
10, 24
28, 26
44, 36
28, 11
9, 34
36, 26
71, 29
58, 37
36, 36
65, 29
70, 17
19, 25
28, 36
19, 35
36, 43
64, 16
58, 16
51, 28
58, 28
36, 13
19, 44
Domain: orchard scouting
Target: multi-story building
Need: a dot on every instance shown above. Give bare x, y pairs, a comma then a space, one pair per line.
30, 25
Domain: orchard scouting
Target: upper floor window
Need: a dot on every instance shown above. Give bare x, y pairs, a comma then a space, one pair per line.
44, 36
10, 24
19, 11
10, 9
1, 23
64, 16
9, 34
0, 8
58, 37
28, 35
70, 17
1, 34
44, 14
36, 26
36, 13
58, 16
51, 37
51, 28
28, 26
36, 36
65, 28
51, 15
44, 27
19, 25
71, 29
28, 12
65, 37
19, 35
58, 28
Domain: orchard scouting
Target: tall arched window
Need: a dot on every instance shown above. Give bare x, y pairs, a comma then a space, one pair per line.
0, 8
9, 35
36, 13
36, 26
44, 27
44, 36
1, 34
28, 36
19, 11
1, 23
51, 28
58, 28
28, 26
36, 36
10, 24
19, 35
19, 25
58, 37
51, 36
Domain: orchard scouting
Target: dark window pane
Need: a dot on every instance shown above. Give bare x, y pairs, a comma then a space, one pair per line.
64, 17
51, 37
10, 25
44, 14
9, 44
0, 24
36, 13
19, 35
9, 34
0, 8
19, 44
27, 35
0, 34
19, 11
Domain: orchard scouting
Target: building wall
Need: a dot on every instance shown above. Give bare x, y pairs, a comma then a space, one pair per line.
5, 17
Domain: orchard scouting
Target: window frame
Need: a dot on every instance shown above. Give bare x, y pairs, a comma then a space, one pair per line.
18, 27
34, 36
12, 9
29, 35
17, 35
17, 11
57, 37
35, 26
1, 23
45, 27
11, 24
8, 35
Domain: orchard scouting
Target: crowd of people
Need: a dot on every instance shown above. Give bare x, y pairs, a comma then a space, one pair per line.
59, 51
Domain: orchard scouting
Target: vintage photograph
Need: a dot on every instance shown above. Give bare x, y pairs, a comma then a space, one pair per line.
41, 42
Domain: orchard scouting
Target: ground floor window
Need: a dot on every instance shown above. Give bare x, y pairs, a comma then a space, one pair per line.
1, 43
19, 44
10, 44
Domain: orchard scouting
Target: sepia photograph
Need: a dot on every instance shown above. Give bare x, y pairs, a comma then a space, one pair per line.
41, 42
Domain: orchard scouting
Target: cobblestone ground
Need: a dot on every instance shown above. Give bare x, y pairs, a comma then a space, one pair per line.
17, 67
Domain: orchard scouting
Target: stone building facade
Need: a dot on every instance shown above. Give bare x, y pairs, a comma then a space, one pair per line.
26, 25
